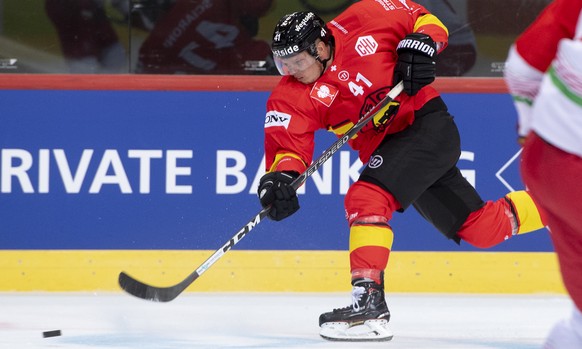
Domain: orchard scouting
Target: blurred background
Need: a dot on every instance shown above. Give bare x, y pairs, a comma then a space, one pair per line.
219, 36
150, 173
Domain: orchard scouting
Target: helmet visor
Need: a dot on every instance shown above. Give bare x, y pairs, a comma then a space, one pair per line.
290, 65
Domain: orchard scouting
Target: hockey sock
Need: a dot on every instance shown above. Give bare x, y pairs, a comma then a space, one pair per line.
370, 246
368, 210
528, 215
514, 214
488, 226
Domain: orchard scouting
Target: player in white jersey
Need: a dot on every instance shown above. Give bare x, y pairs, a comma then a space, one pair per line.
544, 75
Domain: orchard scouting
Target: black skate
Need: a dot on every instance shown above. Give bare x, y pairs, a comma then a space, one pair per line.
365, 320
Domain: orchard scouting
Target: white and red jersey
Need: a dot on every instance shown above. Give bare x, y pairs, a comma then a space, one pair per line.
366, 36
544, 75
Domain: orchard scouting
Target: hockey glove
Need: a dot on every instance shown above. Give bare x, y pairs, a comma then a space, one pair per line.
275, 190
416, 62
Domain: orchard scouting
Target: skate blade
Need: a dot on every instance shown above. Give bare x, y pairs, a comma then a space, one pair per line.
370, 330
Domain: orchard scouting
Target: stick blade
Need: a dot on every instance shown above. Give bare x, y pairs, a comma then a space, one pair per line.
151, 293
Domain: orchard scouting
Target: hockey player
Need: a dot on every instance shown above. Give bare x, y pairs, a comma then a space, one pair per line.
544, 76
88, 40
333, 74
207, 37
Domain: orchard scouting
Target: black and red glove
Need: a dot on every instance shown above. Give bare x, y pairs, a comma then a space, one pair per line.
275, 190
416, 64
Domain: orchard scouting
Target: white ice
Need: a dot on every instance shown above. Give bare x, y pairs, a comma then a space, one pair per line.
270, 320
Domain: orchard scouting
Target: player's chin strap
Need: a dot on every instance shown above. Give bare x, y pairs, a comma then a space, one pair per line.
324, 61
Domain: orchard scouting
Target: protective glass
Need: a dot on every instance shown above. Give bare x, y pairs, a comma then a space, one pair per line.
294, 64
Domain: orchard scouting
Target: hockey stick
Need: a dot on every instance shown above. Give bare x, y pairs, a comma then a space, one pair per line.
166, 294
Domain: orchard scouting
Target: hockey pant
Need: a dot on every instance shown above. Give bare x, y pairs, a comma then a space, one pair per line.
370, 208
554, 177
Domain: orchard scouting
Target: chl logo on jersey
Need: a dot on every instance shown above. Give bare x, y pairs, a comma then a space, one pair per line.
324, 93
366, 45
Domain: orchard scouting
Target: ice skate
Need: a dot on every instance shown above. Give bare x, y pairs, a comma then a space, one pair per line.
365, 320
567, 333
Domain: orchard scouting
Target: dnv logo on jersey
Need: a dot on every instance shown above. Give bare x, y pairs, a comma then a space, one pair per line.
324, 93
276, 118
366, 45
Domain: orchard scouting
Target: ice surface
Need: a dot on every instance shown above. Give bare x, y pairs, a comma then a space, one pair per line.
271, 320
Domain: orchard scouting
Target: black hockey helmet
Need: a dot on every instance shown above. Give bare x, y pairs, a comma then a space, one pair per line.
297, 32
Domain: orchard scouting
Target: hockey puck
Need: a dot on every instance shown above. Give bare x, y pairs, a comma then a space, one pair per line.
54, 333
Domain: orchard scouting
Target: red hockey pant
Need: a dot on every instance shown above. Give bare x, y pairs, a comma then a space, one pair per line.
554, 179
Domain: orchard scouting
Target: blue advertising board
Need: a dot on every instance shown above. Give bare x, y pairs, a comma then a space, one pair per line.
179, 170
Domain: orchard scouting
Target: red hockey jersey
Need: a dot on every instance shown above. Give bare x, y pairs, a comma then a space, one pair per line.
543, 75
366, 36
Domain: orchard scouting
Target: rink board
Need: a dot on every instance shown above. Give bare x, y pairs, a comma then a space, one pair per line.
280, 271
123, 167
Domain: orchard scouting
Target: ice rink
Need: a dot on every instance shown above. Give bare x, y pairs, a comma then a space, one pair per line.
272, 320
